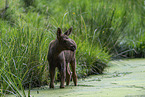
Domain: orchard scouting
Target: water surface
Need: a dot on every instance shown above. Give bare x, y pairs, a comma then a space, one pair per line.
123, 78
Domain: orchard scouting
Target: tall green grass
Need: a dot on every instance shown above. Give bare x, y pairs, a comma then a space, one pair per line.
101, 29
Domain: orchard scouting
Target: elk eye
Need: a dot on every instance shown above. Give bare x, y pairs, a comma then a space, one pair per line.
65, 41
66, 37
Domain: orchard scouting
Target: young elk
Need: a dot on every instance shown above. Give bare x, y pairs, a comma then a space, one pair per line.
61, 53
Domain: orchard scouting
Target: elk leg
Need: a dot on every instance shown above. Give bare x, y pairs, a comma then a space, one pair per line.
68, 74
73, 65
62, 70
52, 77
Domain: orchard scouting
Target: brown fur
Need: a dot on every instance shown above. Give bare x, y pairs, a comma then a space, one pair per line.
62, 53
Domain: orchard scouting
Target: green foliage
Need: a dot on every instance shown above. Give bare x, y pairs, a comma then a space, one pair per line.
101, 29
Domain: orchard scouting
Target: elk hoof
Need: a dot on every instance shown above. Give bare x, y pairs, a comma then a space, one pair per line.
51, 86
62, 87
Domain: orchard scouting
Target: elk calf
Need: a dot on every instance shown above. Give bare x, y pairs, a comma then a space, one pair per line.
62, 53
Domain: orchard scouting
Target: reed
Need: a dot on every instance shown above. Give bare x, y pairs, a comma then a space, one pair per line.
101, 29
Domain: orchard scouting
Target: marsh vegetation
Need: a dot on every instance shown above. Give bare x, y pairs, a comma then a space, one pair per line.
102, 29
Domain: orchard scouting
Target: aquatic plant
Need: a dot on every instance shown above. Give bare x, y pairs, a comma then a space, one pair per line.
102, 29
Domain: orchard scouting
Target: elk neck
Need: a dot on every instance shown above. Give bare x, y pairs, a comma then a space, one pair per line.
57, 48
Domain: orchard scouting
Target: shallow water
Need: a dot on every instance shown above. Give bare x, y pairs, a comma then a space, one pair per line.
123, 78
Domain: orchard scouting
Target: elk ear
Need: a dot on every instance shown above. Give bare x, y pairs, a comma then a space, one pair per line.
68, 32
59, 32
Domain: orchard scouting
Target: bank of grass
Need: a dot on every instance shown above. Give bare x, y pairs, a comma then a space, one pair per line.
99, 29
